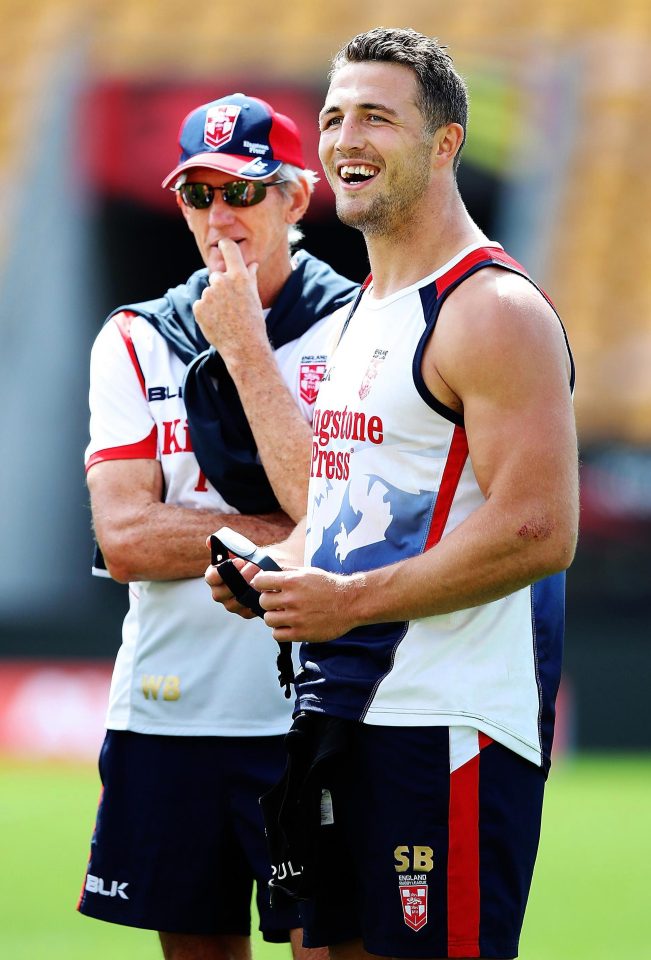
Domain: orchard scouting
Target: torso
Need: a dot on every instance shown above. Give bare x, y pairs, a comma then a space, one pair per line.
184, 667
390, 476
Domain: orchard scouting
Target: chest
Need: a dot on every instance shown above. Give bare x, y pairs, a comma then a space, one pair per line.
370, 391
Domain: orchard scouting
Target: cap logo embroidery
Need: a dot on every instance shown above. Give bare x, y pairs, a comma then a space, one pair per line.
253, 168
220, 125
259, 148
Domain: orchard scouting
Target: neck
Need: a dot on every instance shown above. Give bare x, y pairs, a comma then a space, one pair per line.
420, 244
272, 278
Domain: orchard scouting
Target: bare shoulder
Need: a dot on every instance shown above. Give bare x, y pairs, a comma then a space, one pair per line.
495, 325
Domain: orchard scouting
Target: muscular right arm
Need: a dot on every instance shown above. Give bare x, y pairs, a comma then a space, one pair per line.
143, 538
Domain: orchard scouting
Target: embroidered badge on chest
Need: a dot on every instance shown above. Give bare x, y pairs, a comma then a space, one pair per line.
371, 373
310, 376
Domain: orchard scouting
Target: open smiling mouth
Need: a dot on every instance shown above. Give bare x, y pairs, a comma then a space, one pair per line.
357, 173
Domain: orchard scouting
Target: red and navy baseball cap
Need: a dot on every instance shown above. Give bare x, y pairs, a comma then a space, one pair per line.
240, 135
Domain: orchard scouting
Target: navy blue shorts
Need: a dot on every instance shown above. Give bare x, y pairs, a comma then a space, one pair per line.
179, 837
435, 836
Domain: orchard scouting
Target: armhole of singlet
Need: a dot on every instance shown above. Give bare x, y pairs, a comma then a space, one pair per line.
431, 309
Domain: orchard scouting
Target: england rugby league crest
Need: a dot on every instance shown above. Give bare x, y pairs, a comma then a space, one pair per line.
414, 905
310, 377
220, 125
371, 373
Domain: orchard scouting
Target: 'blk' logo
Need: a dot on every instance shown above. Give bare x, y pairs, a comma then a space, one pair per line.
96, 885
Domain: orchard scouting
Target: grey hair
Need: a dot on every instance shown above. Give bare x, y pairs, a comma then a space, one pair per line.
295, 175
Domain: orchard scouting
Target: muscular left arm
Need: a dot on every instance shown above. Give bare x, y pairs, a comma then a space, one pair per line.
498, 354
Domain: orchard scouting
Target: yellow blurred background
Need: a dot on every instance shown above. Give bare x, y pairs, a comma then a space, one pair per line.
573, 82
557, 159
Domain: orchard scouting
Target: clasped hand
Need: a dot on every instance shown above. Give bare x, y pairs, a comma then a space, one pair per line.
302, 605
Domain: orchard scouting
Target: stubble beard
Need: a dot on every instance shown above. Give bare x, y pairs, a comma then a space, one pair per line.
390, 211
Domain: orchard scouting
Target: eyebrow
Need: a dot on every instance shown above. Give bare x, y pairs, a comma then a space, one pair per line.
360, 106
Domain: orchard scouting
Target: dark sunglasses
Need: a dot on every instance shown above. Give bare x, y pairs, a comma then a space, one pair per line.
238, 193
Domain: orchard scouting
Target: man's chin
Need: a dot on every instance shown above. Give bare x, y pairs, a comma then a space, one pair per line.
351, 214
370, 218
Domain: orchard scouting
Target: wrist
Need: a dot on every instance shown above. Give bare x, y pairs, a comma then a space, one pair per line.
250, 353
354, 598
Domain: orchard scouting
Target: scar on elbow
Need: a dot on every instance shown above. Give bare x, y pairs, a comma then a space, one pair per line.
538, 529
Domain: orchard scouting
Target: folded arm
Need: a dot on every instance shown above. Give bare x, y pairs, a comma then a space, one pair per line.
143, 538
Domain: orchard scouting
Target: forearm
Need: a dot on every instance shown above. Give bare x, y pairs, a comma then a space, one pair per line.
168, 542
231, 317
282, 436
492, 554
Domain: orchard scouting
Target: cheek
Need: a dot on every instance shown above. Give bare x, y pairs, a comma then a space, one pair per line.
191, 221
327, 162
324, 148
273, 225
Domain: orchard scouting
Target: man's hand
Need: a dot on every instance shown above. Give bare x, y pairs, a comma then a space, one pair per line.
229, 312
222, 594
308, 604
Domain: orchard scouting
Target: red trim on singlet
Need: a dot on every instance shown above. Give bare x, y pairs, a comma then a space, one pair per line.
464, 897
123, 322
456, 459
141, 450
481, 255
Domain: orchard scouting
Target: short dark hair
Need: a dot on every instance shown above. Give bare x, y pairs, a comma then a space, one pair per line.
442, 94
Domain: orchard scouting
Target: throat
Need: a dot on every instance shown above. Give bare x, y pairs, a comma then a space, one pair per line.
417, 248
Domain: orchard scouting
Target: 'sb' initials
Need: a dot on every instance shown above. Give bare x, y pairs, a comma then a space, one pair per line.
422, 859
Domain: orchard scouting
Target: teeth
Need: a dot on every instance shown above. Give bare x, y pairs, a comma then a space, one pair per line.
357, 171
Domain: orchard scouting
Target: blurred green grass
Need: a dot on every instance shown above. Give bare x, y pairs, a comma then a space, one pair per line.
589, 900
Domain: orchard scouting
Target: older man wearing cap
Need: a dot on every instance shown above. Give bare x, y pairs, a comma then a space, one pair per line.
190, 394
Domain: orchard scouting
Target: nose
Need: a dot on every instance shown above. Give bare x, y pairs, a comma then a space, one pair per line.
219, 211
350, 135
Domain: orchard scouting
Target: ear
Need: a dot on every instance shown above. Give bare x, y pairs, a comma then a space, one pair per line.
447, 143
298, 200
